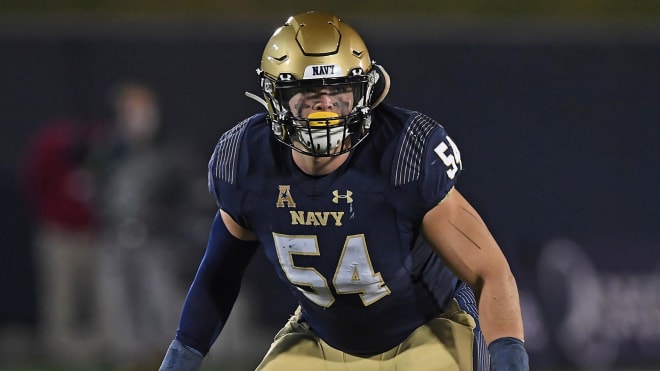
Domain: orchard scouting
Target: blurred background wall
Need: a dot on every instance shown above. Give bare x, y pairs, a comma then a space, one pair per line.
555, 105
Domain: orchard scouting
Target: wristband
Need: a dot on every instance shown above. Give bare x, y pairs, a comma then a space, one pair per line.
180, 357
508, 354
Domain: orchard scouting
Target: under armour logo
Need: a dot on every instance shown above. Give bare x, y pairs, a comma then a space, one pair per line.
337, 196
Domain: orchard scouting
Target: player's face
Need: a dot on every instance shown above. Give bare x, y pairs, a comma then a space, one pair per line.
336, 99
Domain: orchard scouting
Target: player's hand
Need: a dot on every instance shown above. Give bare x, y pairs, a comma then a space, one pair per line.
508, 354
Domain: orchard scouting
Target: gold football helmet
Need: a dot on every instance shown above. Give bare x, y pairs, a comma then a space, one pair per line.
312, 57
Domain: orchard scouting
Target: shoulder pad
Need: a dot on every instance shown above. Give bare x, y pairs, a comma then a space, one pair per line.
224, 161
408, 161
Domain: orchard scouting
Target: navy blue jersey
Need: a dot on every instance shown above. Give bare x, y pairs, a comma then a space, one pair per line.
348, 243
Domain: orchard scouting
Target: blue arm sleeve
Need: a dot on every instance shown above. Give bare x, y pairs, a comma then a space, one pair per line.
215, 288
508, 354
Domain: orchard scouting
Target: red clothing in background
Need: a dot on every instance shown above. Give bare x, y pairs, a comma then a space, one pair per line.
57, 187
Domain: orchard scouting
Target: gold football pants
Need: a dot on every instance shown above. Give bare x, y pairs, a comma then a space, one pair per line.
444, 343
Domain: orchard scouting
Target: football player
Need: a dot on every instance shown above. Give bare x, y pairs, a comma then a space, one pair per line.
354, 202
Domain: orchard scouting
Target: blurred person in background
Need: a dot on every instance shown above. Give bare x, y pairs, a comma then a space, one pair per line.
59, 189
146, 209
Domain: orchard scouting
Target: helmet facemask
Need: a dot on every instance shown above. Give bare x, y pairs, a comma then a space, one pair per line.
320, 117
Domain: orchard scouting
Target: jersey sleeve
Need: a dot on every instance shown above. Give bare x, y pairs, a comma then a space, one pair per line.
224, 170
442, 166
427, 159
